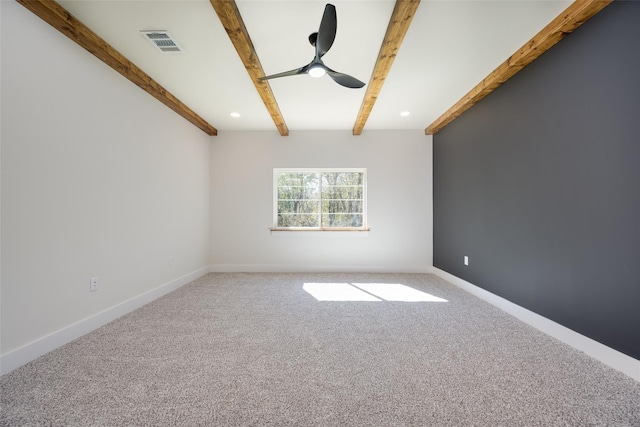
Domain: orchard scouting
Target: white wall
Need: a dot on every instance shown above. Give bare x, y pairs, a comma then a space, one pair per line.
399, 171
98, 179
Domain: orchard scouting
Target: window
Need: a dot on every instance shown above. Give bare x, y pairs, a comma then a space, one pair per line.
319, 199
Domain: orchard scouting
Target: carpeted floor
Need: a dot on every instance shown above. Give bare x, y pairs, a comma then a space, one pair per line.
258, 349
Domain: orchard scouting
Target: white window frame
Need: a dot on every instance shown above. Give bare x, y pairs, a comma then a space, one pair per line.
277, 171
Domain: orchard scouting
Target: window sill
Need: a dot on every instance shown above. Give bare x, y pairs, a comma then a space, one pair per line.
316, 230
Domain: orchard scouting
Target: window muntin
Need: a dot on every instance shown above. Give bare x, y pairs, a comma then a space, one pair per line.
320, 199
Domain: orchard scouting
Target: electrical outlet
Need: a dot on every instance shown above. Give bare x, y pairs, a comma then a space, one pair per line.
170, 261
325, 250
93, 286
466, 260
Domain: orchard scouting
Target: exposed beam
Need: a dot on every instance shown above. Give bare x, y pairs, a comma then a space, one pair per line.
401, 17
58, 17
232, 22
570, 19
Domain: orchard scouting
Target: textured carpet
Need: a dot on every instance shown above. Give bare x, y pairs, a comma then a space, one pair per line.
257, 349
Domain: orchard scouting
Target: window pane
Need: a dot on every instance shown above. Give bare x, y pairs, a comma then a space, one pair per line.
342, 178
300, 179
298, 193
341, 220
298, 199
298, 220
333, 192
341, 206
297, 206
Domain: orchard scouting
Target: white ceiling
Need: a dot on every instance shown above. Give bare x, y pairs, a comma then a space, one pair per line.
449, 48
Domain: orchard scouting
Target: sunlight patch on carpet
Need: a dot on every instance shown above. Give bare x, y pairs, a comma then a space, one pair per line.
368, 292
397, 292
337, 292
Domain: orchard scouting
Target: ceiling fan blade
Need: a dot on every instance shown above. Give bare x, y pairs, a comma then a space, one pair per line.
297, 71
327, 31
345, 79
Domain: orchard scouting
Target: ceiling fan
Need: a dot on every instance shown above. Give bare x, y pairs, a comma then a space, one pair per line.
322, 41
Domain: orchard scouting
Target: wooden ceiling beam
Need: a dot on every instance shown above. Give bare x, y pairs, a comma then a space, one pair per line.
403, 13
571, 18
58, 17
233, 24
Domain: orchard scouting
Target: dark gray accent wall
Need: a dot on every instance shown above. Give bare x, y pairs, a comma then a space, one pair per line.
539, 184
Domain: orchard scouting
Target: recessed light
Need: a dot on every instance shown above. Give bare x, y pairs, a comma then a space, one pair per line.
405, 113
235, 115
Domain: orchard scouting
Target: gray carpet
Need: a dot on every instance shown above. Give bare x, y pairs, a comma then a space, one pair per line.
257, 349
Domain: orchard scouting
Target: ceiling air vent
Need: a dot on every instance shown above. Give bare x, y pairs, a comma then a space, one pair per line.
162, 40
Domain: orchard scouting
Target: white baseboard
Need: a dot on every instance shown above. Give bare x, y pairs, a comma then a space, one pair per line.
269, 268
31, 351
613, 358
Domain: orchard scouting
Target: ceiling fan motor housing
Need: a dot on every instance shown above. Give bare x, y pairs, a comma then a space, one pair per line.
313, 37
